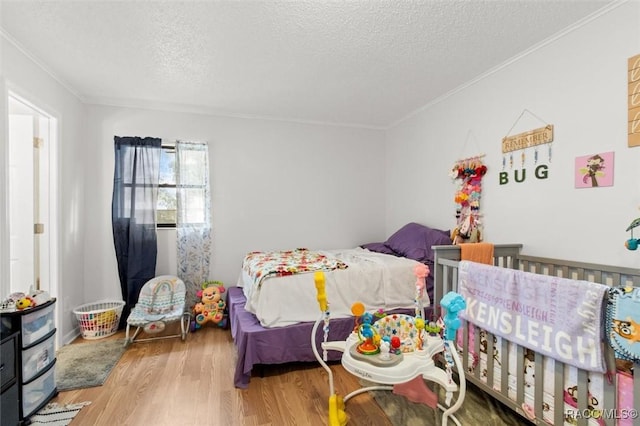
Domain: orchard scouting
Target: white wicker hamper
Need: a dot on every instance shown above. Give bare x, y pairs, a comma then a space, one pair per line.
99, 319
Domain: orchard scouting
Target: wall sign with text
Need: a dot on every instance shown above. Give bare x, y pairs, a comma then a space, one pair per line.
633, 78
526, 146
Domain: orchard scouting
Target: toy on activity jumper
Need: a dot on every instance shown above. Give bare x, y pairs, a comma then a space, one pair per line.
337, 415
421, 271
369, 340
453, 303
211, 306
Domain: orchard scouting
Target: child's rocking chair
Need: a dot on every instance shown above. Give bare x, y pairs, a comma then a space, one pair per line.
161, 301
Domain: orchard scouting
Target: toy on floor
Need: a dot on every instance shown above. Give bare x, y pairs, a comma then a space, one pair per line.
395, 353
211, 307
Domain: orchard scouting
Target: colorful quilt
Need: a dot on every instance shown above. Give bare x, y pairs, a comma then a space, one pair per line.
262, 264
623, 322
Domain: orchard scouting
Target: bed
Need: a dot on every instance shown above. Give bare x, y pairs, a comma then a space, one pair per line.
273, 307
537, 385
378, 280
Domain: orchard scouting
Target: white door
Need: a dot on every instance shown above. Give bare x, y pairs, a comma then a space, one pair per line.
30, 137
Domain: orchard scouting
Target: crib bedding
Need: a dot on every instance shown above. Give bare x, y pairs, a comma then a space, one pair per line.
378, 280
480, 363
539, 387
596, 386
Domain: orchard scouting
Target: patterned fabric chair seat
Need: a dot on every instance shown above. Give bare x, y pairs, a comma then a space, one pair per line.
161, 301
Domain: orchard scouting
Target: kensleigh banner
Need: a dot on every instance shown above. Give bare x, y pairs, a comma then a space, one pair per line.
558, 317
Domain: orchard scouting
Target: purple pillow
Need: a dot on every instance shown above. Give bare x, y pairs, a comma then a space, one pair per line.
414, 241
379, 248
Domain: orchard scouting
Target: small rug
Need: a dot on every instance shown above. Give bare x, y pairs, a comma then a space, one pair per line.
85, 365
478, 409
54, 414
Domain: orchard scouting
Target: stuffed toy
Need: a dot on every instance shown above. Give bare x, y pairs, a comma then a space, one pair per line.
211, 306
25, 302
22, 301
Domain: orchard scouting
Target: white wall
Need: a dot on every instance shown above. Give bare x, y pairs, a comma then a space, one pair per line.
4, 185
275, 185
27, 79
578, 82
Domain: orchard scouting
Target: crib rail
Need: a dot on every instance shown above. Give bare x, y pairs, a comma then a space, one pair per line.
487, 360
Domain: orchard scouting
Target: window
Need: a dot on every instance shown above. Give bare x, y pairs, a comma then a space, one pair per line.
167, 203
193, 185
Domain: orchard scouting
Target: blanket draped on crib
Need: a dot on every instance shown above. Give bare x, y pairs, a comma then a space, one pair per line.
558, 317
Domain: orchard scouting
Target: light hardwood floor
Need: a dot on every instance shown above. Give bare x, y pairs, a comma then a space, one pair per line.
170, 382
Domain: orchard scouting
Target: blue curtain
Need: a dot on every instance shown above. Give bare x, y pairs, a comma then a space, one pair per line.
193, 216
133, 214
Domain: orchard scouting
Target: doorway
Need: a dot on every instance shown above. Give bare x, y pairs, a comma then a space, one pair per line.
32, 180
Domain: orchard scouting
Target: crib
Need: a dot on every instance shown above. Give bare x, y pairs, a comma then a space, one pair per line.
539, 388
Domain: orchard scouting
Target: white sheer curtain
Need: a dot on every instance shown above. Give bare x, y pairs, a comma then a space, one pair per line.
193, 216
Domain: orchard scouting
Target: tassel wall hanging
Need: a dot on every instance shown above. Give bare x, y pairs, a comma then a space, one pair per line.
467, 174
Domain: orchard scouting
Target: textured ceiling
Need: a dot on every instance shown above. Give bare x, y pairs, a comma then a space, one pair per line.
363, 63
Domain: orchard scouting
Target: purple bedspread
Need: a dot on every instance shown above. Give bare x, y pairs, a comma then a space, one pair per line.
259, 345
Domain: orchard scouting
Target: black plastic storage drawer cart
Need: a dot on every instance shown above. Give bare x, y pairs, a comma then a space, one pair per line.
28, 344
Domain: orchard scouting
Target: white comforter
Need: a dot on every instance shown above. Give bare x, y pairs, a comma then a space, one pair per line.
379, 281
